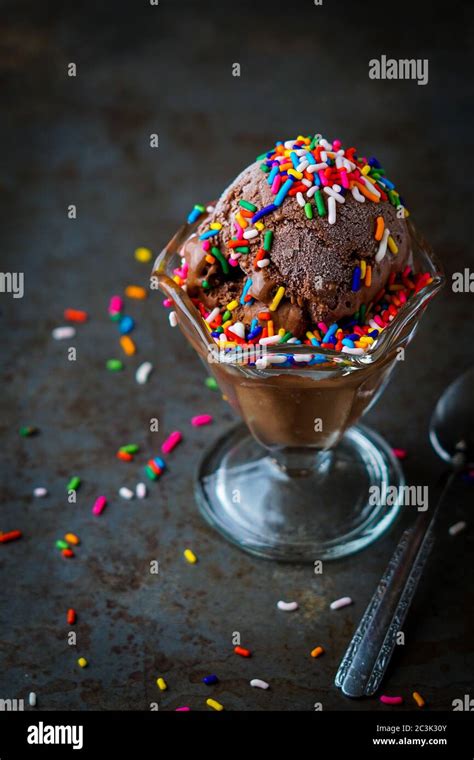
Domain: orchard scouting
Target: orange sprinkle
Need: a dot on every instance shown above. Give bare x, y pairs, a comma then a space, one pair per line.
418, 699
271, 332
243, 222
128, 345
367, 193
284, 167
210, 259
259, 256
368, 276
317, 651
124, 456
75, 315
263, 315
71, 538
236, 243
136, 291
379, 227
245, 212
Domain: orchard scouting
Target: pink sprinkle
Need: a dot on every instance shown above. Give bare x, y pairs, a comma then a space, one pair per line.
171, 442
323, 178
99, 505
323, 327
232, 262
182, 709
167, 303
116, 304
400, 453
336, 144
379, 321
343, 176
201, 419
240, 232
206, 245
276, 184
391, 700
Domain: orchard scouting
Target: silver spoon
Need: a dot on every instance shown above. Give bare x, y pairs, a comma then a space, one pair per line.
368, 655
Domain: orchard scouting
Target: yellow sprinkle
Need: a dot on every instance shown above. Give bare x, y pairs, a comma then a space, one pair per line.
215, 226
135, 291
227, 324
143, 255
392, 245
295, 173
310, 335
190, 556
215, 705
363, 267
371, 179
279, 295
366, 170
82, 662
259, 225
226, 398
178, 279
406, 213
418, 699
161, 683
228, 344
209, 328
317, 652
232, 305
71, 538
270, 329
128, 345
241, 220
281, 332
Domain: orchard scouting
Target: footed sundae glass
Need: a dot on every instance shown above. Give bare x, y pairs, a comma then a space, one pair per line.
298, 479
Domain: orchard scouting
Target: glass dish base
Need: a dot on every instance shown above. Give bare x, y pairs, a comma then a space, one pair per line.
299, 506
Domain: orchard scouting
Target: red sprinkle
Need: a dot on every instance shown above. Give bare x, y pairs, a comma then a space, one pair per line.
75, 315
67, 553
243, 652
12, 535
400, 453
124, 456
71, 616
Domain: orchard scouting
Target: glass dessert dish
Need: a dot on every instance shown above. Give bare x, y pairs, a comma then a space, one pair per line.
300, 480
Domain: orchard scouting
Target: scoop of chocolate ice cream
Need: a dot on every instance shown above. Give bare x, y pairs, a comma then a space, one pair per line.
328, 268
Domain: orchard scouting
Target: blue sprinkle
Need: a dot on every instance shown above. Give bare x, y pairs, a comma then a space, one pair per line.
315, 342
353, 337
208, 234
160, 462
281, 194
193, 215
209, 680
273, 174
373, 334
347, 342
294, 159
253, 324
263, 212
215, 334
297, 343
126, 325
331, 330
254, 333
373, 162
356, 279
309, 157
386, 183
246, 289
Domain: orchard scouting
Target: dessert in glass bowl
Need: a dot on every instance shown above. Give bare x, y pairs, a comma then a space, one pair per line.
300, 288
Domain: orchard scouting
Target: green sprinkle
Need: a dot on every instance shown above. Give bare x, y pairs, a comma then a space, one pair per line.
62, 544
267, 240
262, 156
150, 473
308, 209
28, 430
115, 316
73, 484
205, 284
318, 197
200, 208
264, 168
114, 365
130, 448
314, 142
362, 313
249, 206
394, 199
223, 261
226, 315
242, 249
286, 337
211, 383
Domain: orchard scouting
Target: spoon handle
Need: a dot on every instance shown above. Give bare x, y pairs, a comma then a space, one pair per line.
368, 655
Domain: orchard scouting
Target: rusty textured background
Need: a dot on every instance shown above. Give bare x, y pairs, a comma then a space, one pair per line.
85, 140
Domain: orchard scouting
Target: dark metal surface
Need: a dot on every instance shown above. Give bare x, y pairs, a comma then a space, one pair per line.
85, 141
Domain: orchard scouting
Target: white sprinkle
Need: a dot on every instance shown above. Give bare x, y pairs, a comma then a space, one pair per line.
301, 152
212, 315
249, 234
302, 357
209, 209
339, 162
277, 358
357, 194
374, 325
259, 684
311, 191
126, 493
302, 165
289, 144
292, 340
382, 246
333, 193
331, 210
344, 601
40, 492
287, 606
238, 329
32, 699
173, 319
316, 167
270, 340
324, 155
370, 187
235, 256
300, 199
263, 263
306, 182
140, 490
261, 364
325, 144
355, 351
457, 528
61, 333
143, 373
